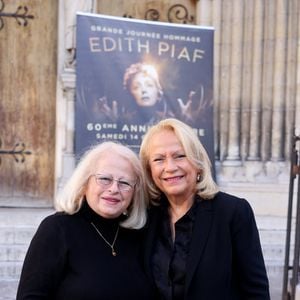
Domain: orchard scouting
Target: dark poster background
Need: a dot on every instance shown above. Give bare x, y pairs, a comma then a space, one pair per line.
178, 59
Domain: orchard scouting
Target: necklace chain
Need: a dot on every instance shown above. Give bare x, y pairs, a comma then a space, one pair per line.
111, 245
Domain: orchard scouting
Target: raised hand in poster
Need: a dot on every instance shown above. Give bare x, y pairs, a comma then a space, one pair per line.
194, 106
114, 112
111, 113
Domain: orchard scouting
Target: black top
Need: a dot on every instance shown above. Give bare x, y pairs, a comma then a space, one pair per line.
169, 258
67, 259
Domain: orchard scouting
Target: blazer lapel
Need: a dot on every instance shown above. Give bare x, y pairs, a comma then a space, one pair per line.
201, 230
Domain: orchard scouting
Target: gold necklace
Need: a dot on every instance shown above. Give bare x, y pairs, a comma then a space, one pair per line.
113, 252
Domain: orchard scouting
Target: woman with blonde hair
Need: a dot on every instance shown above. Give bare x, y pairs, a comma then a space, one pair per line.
201, 243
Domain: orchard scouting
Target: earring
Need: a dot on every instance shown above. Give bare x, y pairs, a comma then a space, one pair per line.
125, 213
198, 177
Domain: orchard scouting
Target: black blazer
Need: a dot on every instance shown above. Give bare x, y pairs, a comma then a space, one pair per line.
225, 260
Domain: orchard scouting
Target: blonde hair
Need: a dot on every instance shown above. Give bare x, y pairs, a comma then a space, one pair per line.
194, 151
72, 196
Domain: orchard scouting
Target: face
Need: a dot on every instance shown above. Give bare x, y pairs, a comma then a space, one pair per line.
144, 90
171, 171
110, 200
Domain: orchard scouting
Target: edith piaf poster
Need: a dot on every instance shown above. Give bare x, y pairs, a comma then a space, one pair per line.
132, 73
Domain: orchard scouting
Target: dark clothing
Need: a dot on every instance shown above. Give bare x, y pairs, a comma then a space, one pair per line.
169, 259
68, 260
224, 258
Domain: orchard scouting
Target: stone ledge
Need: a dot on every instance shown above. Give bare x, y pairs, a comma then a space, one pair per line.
266, 199
16, 235
23, 217
271, 172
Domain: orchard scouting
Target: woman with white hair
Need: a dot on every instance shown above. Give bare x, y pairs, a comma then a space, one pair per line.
90, 248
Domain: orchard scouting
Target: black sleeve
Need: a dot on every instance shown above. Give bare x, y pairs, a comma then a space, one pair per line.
44, 262
247, 254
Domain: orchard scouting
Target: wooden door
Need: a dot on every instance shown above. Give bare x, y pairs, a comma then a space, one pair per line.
27, 102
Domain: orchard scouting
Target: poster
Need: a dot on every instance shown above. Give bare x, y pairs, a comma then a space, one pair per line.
133, 73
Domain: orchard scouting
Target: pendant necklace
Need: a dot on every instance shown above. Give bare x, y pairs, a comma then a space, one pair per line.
111, 245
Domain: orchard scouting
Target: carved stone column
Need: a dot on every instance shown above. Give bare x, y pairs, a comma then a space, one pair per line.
65, 161
225, 28
292, 65
67, 104
267, 77
233, 155
279, 82
216, 23
257, 63
204, 13
246, 91
297, 105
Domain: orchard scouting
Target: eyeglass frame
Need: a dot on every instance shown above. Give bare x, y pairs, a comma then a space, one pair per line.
130, 185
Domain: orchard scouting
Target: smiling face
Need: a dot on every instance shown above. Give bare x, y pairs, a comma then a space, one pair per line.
109, 201
144, 89
171, 171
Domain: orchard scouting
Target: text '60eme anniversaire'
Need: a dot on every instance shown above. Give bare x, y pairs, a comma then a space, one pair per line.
132, 131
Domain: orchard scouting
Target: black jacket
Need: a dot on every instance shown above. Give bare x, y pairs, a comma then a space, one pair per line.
225, 260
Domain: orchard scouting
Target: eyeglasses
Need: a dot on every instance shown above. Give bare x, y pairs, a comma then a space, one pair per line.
107, 181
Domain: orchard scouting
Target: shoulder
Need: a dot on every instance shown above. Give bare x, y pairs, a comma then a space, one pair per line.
58, 228
56, 222
55, 219
222, 198
231, 205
